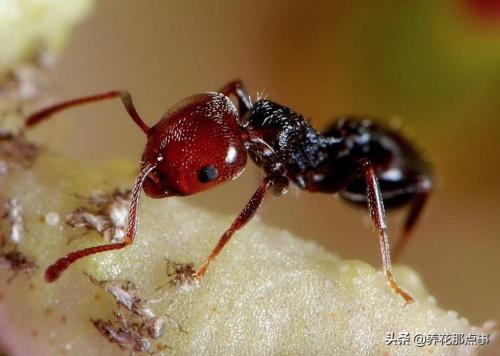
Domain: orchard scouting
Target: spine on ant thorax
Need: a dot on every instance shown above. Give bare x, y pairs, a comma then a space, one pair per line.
303, 151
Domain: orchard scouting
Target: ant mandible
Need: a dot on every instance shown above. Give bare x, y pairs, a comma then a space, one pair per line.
204, 141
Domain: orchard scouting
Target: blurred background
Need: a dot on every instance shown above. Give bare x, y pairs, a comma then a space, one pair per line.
430, 67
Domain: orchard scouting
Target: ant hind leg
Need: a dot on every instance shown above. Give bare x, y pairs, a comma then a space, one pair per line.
423, 191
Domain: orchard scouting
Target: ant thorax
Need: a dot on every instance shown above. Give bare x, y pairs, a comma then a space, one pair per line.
284, 140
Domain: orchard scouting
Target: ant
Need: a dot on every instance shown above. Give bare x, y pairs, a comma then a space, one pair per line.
204, 141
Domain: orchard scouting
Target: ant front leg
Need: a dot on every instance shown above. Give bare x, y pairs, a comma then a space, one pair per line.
54, 271
237, 89
246, 214
377, 214
125, 97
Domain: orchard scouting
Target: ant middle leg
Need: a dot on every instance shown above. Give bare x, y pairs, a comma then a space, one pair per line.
377, 214
125, 97
412, 191
54, 271
237, 89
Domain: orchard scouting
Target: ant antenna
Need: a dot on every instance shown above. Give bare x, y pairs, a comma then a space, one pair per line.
125, 97
54, 271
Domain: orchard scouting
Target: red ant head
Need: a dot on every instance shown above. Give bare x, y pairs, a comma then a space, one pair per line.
196, 145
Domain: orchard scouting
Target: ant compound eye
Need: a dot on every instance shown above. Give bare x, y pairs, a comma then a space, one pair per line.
208, 174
